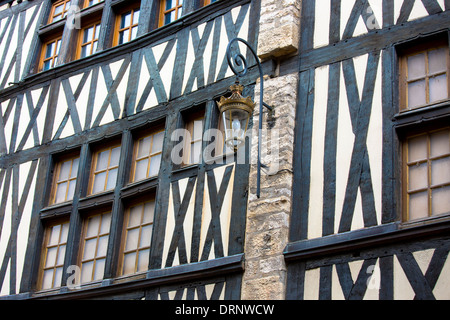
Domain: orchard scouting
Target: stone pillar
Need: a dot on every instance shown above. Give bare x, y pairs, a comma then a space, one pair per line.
267, 230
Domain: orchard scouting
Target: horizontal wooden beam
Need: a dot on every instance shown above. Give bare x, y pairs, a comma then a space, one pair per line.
189, 272
374, 41
352, 241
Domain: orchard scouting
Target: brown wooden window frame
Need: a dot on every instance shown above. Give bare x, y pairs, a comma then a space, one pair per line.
87, 5
136, 158
135, 7
428, 187
66, 5
190, 140
421, 48
85, 238
56, 283
54, 55
94, 171
125, 232
57, 181
163, 10
94, 39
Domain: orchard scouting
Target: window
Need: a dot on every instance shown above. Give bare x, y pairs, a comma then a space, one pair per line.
127, 25
59, 10
424, 76
147, 156
138, 226
427, 172
95, 242
170, 10
55, 240
105, 166
49, 55
206, 2
89, 3
64, 180
193, 140
89, 40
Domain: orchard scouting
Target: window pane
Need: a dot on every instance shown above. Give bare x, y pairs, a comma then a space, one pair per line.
141, 170
418, 206
51, 257
124, 36
74, 171
102, 246
54, 236
440, 143
136, 16
143, 260
112, 178
144, 147
132, 239
154, 165
47, 65
149, 211
86, 271
61, 254
440, 171
58, 276
61, 192
198, 130
64, 233
196, 149
134, 31
441, 200
106, 223
135, 216
49, 50
438, 88
89, 249
88, 34
102, 161
99, 182
418, 176
158, 139
146, 236
129, 263
126, 20
47, 279
99, 269
169, 4
416, 67
71, 190
437, 60
115, 155
85, 51
93, 226
65, 170
417, 148
417, 94
169, 17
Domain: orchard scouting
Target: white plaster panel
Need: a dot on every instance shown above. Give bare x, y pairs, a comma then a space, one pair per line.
318, 153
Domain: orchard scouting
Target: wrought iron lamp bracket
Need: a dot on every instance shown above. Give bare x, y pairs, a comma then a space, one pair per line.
240, 61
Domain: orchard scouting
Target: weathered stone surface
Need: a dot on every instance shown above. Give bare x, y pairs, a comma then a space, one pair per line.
268, 217
279, 28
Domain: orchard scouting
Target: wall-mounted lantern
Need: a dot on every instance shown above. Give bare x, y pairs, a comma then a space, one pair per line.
237, 110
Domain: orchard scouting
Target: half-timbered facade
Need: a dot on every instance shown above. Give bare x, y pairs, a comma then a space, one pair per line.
365, 223
103, 196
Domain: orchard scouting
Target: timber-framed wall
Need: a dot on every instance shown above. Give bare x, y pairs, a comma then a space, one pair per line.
348, 239
115, 94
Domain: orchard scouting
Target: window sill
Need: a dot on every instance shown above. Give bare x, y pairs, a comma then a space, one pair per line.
421, 116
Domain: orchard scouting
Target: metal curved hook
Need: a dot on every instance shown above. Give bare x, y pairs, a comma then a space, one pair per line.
240, 61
